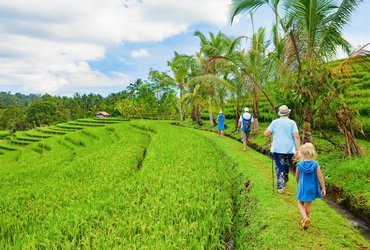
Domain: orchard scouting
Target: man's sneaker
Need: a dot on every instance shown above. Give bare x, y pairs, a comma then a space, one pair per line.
281, 191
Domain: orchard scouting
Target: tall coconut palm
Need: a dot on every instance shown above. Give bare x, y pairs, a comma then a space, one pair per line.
183, 67
255, 63
216, 67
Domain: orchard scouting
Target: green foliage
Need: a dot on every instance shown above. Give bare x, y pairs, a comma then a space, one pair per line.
3, 134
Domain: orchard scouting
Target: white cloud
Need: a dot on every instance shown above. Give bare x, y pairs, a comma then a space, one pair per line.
139, 53
46, 45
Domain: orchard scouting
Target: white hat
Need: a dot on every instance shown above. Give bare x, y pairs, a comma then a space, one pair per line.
246, 109
220, 112
283, 110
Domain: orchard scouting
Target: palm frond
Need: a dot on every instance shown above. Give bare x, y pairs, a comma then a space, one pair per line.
239, 6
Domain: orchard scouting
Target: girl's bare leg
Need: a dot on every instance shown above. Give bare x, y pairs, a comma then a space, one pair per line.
302, 210
308, 207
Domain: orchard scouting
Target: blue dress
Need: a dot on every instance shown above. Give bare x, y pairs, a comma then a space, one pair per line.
221, 122
308, 185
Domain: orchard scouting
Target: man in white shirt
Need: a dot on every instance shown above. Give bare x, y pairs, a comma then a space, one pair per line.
285, 144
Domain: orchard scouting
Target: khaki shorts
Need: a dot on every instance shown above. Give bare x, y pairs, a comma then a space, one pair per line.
245, 135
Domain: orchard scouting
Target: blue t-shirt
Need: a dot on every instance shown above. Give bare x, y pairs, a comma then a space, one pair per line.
283, 130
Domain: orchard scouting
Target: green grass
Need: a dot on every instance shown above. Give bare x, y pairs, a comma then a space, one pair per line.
3, 134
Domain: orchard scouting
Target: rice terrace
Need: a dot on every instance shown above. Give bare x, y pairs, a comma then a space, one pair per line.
222, 148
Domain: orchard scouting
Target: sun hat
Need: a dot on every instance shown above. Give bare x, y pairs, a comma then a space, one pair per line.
220, 112
246, 109
284, 110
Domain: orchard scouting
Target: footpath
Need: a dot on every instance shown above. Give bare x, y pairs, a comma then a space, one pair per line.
271, 220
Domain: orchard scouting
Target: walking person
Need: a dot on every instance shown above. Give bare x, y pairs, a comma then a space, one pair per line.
309, 180
285, 144
245, 123
221, 123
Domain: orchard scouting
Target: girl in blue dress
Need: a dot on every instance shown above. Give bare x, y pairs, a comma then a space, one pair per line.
310, 181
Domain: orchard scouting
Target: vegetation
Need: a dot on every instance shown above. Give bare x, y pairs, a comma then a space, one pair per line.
152, 185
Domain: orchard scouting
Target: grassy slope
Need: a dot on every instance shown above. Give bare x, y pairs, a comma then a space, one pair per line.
273, 219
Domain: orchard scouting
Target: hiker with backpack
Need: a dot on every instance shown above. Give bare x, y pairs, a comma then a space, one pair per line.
285, 145
245, 124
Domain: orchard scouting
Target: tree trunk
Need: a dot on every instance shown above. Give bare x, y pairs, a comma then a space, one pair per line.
307, 129
195, 116
306, 132
255, 126
181, 113
237, 117
212, 119
345, 124
256, 112
182, 118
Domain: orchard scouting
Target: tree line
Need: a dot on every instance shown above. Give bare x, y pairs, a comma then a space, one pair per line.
139, 99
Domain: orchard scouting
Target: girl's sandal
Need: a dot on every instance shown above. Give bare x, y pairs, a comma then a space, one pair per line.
306, 224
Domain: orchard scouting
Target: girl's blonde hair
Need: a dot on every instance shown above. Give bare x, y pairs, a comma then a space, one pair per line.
307, 151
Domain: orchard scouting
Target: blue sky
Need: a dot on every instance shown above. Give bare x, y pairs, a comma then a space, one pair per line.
62, 47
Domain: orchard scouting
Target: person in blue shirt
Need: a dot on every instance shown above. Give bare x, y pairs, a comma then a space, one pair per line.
245, 123
309, 180
221, 123
285, 145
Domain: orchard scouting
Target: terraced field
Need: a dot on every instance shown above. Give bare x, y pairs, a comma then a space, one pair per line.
22, 138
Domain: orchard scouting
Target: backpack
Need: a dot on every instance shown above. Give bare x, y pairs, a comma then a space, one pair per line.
246, 124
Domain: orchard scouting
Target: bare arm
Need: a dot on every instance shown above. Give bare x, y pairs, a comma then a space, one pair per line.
239, 124
268, 133
321, 180
297, 144
297, 175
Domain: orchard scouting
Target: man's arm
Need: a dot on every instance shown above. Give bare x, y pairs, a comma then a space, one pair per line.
297, 143
268, 133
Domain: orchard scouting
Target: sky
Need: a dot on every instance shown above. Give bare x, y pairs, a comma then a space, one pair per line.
62, 47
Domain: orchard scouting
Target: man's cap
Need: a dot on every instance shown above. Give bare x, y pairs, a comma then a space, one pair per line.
246, 109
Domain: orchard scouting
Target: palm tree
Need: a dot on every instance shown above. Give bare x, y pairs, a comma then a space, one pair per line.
217, 68
134, 87
255, 63
183, 67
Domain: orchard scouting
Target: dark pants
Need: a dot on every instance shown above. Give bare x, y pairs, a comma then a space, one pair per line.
282, 164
